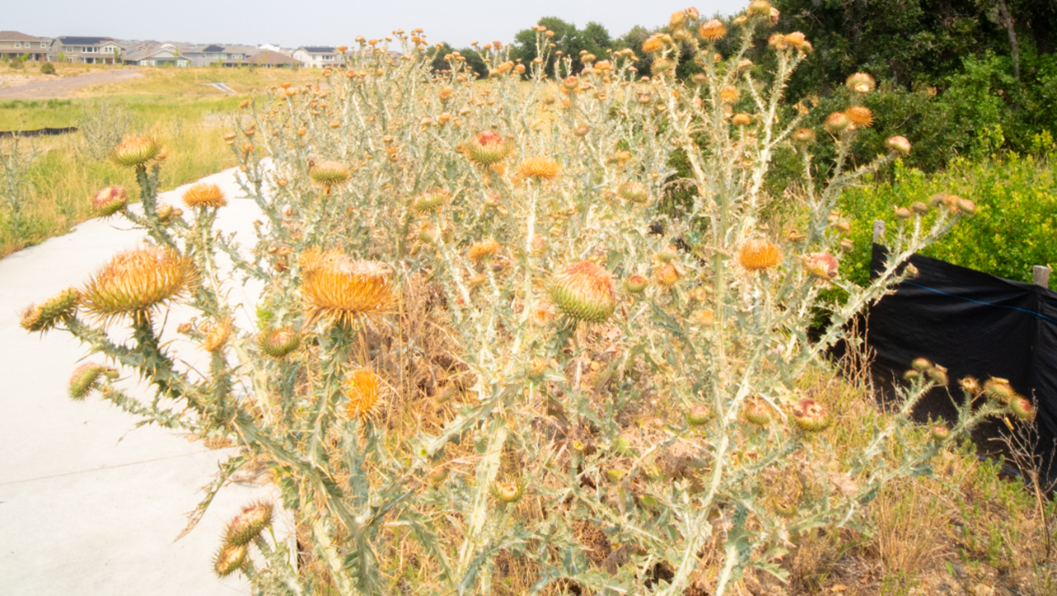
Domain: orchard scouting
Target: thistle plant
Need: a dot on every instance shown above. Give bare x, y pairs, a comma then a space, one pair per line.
482, 343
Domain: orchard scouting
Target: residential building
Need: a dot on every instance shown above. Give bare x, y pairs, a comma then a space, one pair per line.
219, 55
270, 59
317, 56
156, 54
14, 44
273, 48
86, 50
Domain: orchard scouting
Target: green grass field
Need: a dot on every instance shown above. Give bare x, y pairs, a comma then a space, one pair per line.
177, 106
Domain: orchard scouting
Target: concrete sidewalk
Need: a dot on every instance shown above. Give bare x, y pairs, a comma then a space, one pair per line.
89, 504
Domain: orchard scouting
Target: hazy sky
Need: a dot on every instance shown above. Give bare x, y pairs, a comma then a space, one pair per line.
331, 22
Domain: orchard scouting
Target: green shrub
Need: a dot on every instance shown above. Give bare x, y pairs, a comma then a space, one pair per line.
17, 64
47, 68
1013, 229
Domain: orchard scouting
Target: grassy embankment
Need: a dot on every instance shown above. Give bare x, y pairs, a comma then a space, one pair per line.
177, 106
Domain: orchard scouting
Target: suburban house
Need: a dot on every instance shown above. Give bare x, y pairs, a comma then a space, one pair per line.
85, 50
14, 44
270, 59
317, 56
156, 54
218, 55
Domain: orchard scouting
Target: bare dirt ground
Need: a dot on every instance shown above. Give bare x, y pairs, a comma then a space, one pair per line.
47, 87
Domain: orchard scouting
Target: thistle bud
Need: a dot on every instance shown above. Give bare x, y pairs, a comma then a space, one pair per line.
1022, 408
821, 264
861, 82
804, 136
229, 559
636, 284
698, 415
758, 413
999, 390
87, 377
109, 201
902, 213
584, 291
921, 364
919, 208
759, 8
811, 416
836, 123
940, 433
634, 192
508, 492
898, 145
248, 524
966, 207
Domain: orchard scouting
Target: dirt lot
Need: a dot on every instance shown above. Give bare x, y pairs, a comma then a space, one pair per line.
52, 87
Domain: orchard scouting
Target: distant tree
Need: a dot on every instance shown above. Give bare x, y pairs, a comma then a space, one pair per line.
567, 39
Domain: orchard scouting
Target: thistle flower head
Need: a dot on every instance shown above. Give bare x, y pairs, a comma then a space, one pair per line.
759, 8
758, 255
584, 291
712, 30
1022, 408
330, 173
652, 44
821, 264
44, 316
137, 281
277, 343
741, 119
811, 416
999, 390
487, 148
698, 415
484, 249
134, 151
860, 116
666, 275
248, 524
757, 412
109, 201
940, 433
431, 199
861, 82
898, 145
217, 335
340, 291
836, 123
803, 136
797, 40
508, 491
634, 192
728, 94
229, 559
362, 389
205, 196
636, 284
87, 377
539, 167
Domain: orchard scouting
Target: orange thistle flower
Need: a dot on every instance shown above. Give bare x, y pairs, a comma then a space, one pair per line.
652, 44
729, 94
138, 281
134, 151
861, 82
584, 291
340, 291
758, 255
485, 249
217, 336
860, 116
362, 389
712, 31
204, 195
741, 120
539, 167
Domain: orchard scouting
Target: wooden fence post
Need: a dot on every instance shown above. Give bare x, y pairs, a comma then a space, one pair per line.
878, 231
1040, 275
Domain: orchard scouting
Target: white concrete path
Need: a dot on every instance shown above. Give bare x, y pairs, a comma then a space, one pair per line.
89, 504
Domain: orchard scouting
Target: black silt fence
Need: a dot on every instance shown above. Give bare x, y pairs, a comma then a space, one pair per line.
40, 132
973, 324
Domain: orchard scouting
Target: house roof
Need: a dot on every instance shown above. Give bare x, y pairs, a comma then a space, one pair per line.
268, 57
212, 48
16, 36
319, 49
86, 41
166, 50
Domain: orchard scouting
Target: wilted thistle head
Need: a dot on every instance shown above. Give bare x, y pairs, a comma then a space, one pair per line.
330, 173
485, 249
428, 200
633, 191
811, 416
44, 316
758, 255
821, 264
229, 559
861, 82
109, 201
803, 136
135, 151
712, 30
137, 281
584, 291
340, 291
836, 123
362, 389
860, 116
487, 148
204, 195
217, 335
539, 167
277, 343
86, 377
898, 145
249, 523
